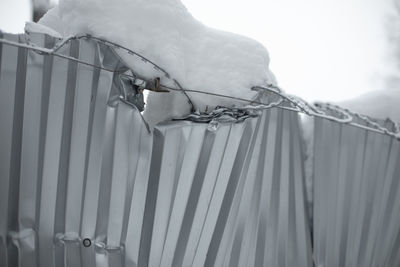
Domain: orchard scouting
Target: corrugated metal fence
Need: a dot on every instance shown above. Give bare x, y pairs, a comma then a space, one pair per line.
78, 163
356, 196
84, 183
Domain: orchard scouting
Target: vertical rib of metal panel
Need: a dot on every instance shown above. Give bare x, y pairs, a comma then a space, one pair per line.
79, 113
53, 156
29, 177
3, 172
356, 202
7, 102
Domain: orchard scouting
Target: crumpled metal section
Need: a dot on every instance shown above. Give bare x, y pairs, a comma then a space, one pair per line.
224, 115
84, 183
356, 192
243, 202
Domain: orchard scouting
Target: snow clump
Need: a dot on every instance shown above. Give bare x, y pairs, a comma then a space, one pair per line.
198, 57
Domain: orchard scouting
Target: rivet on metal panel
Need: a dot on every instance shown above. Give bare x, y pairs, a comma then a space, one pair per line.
86, 242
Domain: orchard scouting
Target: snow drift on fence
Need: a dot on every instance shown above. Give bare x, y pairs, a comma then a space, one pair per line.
198, 57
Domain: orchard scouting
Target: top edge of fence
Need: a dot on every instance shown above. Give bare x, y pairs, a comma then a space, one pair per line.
282, 100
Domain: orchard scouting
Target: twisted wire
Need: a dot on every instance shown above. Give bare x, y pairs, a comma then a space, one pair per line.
294, 103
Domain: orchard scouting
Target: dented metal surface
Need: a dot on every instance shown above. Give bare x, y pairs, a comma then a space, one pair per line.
77, 162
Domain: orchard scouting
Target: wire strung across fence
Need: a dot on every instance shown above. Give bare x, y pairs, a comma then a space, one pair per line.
285, 101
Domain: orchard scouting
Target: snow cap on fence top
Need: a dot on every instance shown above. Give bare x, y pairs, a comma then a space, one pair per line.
198, 57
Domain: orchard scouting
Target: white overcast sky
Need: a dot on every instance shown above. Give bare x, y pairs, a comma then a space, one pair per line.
328, 50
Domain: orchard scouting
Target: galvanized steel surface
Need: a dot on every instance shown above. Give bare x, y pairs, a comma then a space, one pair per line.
77, 162
356, 197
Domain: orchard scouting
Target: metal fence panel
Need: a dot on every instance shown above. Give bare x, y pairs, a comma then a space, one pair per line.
79, 166
78, 163
356, 201
242, 204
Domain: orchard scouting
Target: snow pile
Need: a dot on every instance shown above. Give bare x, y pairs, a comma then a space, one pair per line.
32, 27
379, 104
199, 57
52, 20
